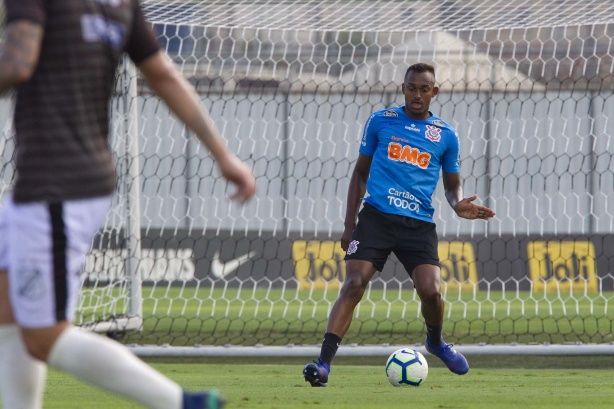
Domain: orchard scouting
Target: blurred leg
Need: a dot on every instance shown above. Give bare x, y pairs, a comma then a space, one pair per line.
104, 363
22, 378
54, 239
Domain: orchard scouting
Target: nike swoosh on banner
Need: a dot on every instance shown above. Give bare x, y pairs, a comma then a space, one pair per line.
221, 270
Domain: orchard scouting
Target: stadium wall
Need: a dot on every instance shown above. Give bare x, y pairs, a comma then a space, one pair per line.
544, 165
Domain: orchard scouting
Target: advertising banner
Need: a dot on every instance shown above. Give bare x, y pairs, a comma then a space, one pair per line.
521, 263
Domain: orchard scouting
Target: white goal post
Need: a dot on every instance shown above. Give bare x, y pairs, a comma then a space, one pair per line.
528, 84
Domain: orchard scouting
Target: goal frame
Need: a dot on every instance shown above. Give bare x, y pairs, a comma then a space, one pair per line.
131, 192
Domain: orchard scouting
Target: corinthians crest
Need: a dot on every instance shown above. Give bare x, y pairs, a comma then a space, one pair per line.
433, 133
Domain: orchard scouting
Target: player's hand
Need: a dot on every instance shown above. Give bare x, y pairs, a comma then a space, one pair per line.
472, 211
240, 175
346, 237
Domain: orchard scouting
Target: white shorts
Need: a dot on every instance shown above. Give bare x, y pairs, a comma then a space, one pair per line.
43, 247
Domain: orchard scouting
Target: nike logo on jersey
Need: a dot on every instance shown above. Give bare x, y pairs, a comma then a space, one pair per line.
222, 270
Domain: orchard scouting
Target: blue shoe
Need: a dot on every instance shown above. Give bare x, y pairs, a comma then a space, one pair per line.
203, 400
455, 361
316, 373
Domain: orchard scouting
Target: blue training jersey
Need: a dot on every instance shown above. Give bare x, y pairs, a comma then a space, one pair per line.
408, 155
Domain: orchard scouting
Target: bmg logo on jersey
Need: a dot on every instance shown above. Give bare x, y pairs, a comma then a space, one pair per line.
407, 154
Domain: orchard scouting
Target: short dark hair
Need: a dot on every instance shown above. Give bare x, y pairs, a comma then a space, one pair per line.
420, 68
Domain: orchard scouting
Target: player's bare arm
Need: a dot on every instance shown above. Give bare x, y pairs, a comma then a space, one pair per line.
357, 188
18, 59
464, 207
168, 83
20, 52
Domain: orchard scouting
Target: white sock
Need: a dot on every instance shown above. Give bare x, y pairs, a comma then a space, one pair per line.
111, 366
22, 378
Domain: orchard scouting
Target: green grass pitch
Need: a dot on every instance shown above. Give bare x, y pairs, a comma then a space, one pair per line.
188, 316
260, 384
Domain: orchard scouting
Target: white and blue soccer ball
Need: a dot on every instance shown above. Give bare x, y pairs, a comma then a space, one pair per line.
406, 367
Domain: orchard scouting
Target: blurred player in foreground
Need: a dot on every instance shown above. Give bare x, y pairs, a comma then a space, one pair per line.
61, 57
402, 152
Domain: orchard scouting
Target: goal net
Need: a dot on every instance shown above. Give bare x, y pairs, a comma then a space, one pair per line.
527, 84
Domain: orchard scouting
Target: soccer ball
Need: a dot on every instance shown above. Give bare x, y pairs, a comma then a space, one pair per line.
406, 367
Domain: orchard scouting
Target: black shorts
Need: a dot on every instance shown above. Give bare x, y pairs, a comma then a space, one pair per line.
377, 234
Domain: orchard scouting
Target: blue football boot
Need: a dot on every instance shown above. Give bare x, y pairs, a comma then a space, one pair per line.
203, 400
455, 361
316, 373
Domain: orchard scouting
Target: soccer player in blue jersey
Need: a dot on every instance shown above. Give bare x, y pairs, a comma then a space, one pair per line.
401, 153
